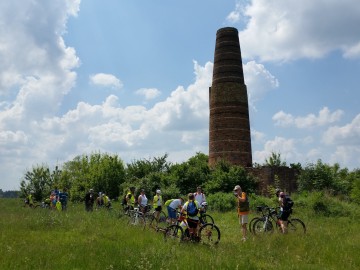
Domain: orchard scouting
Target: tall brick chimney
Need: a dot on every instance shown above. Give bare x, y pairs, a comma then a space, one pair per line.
229, 132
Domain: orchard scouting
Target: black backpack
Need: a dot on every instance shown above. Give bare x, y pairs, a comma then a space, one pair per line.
289, 203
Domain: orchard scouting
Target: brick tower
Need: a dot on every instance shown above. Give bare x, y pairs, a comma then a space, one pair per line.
229, 131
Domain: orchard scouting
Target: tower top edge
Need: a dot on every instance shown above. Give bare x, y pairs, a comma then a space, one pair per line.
227, 29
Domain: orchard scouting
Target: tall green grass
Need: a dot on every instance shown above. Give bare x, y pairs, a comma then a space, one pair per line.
75, 239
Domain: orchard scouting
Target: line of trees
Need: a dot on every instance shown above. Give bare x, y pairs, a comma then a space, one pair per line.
108, 173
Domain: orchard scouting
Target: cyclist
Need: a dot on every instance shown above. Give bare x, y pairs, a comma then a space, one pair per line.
107, 202
30, 199
99, 200
285, 209
192, 210
157, 204
89, 200
63, 197
130, 199
199, 195
243, 209
143, 201
172, 208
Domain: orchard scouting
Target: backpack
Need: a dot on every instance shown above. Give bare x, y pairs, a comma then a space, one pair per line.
192, 210
289, 203
167, 203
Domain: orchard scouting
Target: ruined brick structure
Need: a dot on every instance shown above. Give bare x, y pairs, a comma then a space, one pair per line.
229, 132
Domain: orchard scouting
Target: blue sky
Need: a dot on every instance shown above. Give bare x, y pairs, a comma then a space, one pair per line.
132, 77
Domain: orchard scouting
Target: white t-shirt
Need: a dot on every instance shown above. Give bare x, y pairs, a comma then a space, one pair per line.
144, 200
175, 204
200, 198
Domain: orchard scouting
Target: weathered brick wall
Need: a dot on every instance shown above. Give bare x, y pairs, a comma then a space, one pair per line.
266, 176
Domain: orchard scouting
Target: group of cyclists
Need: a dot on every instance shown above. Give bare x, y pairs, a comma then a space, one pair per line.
189, 210
57, 200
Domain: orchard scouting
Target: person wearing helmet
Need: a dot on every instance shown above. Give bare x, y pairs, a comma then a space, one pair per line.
285, 204
157, 204
199, 195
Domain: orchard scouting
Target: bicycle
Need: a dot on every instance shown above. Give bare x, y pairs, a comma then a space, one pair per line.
253, 220
265, 224
136, 218
208, 233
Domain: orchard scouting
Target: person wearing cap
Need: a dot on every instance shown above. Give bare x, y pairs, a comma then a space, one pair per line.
89, 200
199, 195
157, 204
243, 209
143, 201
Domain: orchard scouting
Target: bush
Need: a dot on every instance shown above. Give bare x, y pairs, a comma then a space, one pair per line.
221, 201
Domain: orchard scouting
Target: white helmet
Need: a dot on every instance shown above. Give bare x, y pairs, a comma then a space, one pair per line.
204, 204
158, 191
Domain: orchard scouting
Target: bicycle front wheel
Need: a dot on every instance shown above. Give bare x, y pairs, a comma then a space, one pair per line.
262, 226
174, 232
207, 219
251, 223
209, 234
296, 226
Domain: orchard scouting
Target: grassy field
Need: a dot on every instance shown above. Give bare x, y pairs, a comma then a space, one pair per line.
75, 239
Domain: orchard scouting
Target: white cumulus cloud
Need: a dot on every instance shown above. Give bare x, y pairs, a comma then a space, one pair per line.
324, 117
292, 29
107, 80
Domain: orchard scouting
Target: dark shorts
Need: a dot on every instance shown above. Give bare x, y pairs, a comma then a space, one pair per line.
159, 208
284, 215
192, 223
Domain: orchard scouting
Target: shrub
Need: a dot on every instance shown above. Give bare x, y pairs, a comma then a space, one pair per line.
221, 201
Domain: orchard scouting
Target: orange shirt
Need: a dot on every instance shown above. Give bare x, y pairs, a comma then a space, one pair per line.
243, 197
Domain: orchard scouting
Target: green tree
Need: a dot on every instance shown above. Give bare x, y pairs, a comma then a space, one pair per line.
224, 177
192, 173
38, 181
275, 160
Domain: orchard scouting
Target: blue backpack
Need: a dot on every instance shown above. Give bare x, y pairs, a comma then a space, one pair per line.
192, 210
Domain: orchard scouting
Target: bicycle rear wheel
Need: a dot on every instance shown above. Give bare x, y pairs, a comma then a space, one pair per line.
209, 234
296, 226
262, 226
174, 232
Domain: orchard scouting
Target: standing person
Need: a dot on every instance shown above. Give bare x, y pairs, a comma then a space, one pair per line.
107, 201
99, 201
243, 209
157, 204
192, 210
286, 205
199, 195
143, 201
130, 199
63, 197
89, 200
172, 208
